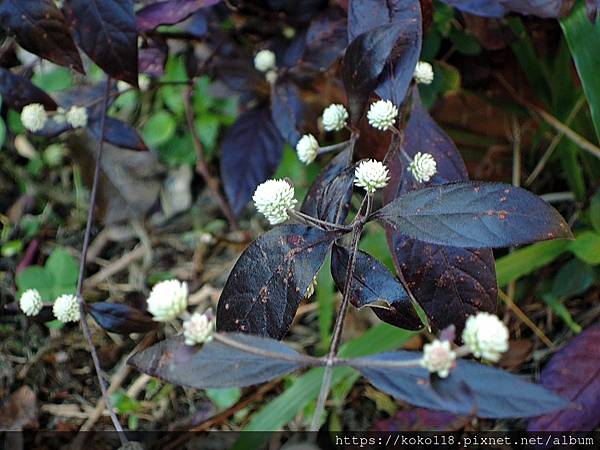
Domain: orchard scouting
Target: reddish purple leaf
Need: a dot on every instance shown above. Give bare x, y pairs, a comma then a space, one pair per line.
169, 12
326, 38
421, 419
287, 111
574, 374
498, 8
18, 92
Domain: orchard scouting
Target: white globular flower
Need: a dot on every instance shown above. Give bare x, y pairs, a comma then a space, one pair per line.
198, 329
66, 308
423, 167
307, 148
271, 76
264, 60
34, 117
382, 114
485, 336
167, 300
273, 199
334, 117
371, 175
423, 73
77, 116
31, 302
438, 357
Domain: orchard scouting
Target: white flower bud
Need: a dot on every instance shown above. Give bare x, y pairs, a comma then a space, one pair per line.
371, 175
423, 167
271, 76
198, 329
264, 60
31, 302
334, 117
34, 117
77, 116
66, 308
273, 199
438, 357
307, 148
167, 300
423, 73
382, 114
485, 336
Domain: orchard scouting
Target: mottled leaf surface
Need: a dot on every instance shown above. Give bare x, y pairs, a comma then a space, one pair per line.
574, 374
18, 92
217, 365
268, 281
251, 151
106, 31
470, 389
120, 318
40, 28
287, 111
326, 38
473, 215
330, 194
373, 285
169, 12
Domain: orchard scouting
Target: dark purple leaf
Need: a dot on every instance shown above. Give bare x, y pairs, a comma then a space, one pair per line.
40, 27
591, 9
498, 8
373, 285
574, 374
365, 15
120, 318
251, 151
486, 8
294, 51
363, 63
238, 74
470, 389
473, 215
18, 92
118, 133
153, 57
107, 33
197, 24
326, 38
419, 419
85, 95
268, 281
299, 10
217, 364
287, 111
449, 283
330, 194
169, 12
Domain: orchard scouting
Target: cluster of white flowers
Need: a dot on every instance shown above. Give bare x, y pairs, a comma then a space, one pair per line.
31, 302
264, 60
334, 117
34, 117
485, 336
307, 148
382, 114
273, 199
423, 73
198, 329
371, 175
77, 116
438, 357
167, 300
66, 308
423, 167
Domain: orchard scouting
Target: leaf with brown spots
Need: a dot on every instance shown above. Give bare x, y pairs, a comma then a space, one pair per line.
473, 215
106, 30
268, 281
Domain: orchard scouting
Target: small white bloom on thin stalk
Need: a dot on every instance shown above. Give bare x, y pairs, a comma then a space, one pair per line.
438, 357
485, 336
423, 73
34, 117
382, 114
271, 76
66, 308
273, 199
334, 117
423, 167
307, 148
167, 300
198, 329
31, 302
311, 288
264, 60
77, 116
371, 175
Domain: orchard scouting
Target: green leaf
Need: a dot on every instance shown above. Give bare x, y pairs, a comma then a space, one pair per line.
528, 259
63, 268
2, 133
583, 38
574, 278
159, 129
595, 211
562, 312
225, 397
54, 80
36, 277
325, 298
586, 247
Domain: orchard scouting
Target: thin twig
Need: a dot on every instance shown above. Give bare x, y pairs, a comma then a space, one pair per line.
86, 242
201, 165
516, 179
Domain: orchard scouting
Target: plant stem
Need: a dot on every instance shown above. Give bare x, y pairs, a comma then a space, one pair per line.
317, 222
86, 242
